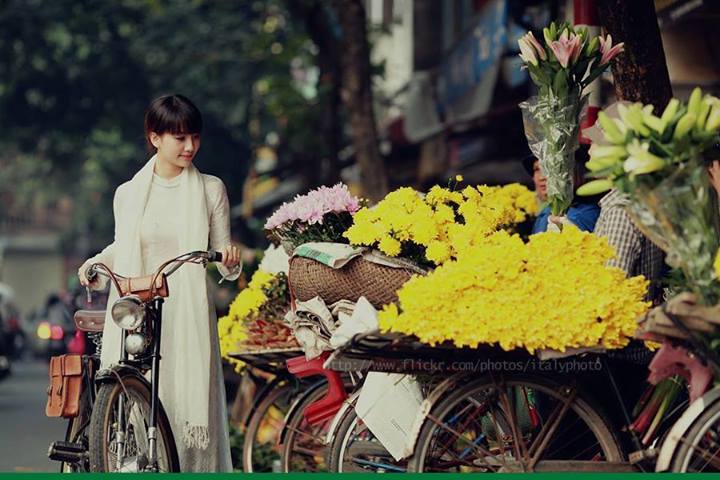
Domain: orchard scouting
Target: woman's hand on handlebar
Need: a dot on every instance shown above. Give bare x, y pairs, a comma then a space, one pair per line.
82, 275
230, 255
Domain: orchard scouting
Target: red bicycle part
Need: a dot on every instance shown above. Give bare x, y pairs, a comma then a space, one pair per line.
330, 404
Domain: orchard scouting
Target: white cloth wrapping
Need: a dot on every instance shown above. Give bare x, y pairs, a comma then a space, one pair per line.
363, 318
189, 333
319, 328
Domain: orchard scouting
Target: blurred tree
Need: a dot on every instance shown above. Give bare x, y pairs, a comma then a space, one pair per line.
640, 73
324, 31
357, 97
75, 79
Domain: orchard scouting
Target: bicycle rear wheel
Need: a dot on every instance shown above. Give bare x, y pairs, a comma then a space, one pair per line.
512, 424
77, 432
304, 448
104, 432
260, 447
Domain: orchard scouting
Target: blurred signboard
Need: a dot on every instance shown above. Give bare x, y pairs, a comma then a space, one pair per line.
476, 56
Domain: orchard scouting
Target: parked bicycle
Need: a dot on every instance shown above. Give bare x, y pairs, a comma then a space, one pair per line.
495, 421
121, 425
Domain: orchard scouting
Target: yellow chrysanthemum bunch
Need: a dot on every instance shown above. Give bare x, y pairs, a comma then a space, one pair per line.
442, 223
552, 292
232, 328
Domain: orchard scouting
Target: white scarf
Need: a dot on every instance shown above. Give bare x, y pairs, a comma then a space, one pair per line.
190, 394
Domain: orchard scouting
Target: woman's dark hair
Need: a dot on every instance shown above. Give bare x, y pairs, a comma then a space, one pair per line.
174, 114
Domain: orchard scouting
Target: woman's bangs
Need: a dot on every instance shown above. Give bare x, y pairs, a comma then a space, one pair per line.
180, 123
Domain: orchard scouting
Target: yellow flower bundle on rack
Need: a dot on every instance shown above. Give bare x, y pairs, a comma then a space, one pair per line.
264, 300
552, 292
435, 227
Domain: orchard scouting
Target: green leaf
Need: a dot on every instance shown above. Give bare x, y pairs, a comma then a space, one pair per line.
560, 86
594, 73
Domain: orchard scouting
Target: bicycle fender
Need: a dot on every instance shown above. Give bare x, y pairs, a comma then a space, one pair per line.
295, 406
680, 428
347, 404
116, 372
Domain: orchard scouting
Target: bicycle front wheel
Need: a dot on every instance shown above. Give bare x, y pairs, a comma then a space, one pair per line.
105, 433
699, 450
355, 449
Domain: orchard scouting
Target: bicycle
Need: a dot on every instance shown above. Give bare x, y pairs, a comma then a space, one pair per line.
128, 430
488, 421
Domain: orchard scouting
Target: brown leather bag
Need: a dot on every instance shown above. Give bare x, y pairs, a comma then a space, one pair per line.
141, 287
65, 386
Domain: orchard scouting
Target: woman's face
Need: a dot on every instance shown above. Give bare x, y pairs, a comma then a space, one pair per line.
178, 149
540, 181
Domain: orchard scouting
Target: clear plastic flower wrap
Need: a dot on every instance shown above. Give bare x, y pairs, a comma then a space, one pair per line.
680, 215
551, 127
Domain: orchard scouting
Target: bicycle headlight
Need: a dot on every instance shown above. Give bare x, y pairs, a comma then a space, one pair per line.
135, 343
128, 312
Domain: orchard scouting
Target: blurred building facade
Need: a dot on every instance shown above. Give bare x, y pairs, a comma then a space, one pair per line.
31, 258
458, 111
447, 101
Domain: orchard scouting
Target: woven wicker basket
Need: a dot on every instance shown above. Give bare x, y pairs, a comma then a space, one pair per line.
378, 283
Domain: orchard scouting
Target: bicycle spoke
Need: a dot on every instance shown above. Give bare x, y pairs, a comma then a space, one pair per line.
485, 453
317, 437
463, 426
543, 438
706, 455
519, 446
572, 441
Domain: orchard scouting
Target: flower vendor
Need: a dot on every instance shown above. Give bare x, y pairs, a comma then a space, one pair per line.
583, 212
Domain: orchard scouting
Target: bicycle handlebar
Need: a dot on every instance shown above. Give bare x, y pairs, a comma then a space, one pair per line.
211, 256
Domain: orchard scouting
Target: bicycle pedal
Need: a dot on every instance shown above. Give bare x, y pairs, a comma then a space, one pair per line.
649, 454
66, 452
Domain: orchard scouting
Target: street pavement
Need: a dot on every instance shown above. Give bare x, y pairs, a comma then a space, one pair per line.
25, 431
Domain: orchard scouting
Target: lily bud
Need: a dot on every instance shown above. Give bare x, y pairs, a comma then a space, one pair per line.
694, 102
684, 125
548, 37
611, 131
594, 187
601, 151
644, 162
592, 46
654, 122
670, 110
713, 121
527, 52
703, 113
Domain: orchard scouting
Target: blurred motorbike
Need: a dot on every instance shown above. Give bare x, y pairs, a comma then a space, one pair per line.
54, 328
4, 359
10, 324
